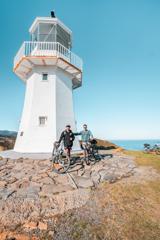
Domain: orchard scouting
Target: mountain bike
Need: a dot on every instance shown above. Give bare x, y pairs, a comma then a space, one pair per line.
91, 154
60, 159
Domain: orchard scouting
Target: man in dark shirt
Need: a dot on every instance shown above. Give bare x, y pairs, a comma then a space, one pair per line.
67, 137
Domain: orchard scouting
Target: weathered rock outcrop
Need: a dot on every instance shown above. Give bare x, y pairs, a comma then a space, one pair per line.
31, 195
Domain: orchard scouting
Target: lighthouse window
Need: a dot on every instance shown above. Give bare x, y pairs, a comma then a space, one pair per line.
42, 121
45, 76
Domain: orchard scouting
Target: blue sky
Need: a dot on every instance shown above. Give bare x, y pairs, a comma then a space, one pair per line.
119, 42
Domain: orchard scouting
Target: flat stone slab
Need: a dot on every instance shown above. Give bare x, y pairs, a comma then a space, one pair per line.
16, 155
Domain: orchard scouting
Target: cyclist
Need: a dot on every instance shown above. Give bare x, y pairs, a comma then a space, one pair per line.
68, 137
86, 137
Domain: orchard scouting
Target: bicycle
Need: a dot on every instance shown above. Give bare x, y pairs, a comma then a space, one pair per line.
61, 162
147, 148
152, 149
156, 149
91, 154
60, 159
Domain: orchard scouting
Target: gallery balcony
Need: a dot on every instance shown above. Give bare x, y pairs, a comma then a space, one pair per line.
32, 54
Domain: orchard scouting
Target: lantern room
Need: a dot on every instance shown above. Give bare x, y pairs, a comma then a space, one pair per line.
50, 29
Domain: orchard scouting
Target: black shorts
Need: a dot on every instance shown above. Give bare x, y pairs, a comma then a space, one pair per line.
68, 146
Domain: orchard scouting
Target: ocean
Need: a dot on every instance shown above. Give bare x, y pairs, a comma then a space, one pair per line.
134, 144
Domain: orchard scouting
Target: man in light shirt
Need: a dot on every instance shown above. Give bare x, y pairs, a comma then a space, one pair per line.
86, 137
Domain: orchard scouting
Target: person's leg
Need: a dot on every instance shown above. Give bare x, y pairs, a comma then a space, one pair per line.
87, 154
69, 152
84, 149
87, 149
66, 150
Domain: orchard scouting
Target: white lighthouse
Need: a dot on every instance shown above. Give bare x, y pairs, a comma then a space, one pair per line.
51, 72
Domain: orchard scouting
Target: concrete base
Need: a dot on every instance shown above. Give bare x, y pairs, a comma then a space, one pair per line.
11, 154
16, 155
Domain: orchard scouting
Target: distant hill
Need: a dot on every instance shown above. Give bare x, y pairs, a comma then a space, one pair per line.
6, 133
106, 145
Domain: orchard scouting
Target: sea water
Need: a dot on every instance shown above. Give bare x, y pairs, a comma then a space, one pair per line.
135, 144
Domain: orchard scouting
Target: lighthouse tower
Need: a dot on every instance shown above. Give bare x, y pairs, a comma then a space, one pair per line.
51, 71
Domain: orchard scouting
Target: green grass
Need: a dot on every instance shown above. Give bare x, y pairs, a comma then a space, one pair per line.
145, 159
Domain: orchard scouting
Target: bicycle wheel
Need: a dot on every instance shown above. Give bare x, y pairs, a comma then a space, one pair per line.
94, 156
87, 160
61, 163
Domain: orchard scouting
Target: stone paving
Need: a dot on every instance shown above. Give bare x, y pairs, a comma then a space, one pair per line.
31, 194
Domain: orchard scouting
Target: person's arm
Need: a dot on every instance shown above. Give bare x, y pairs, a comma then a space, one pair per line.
77, 134
91, 135
73, 137
61, 137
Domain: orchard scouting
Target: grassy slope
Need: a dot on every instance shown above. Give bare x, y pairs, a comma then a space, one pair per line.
144, 159
118, 211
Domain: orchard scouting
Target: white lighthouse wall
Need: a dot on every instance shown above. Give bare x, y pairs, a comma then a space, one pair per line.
51, 99
64, 105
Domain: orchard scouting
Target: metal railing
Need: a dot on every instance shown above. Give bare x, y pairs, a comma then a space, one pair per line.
48, 49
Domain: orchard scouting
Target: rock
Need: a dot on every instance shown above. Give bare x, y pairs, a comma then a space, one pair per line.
48, 190
61, 179
32, 193
3, 184
11, 180
13, 236
87, 173
23, 183
102, 173
46, 181
3, 162
44, 163
95, 176
19, 174
19, 160
81, 171
51, 233
29, 192
84, 182
97, 167
34, 216
42, 226
52, 175
30, 225
110, 178
3, 236
33, 189
6, 193
36, 178
21, 193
